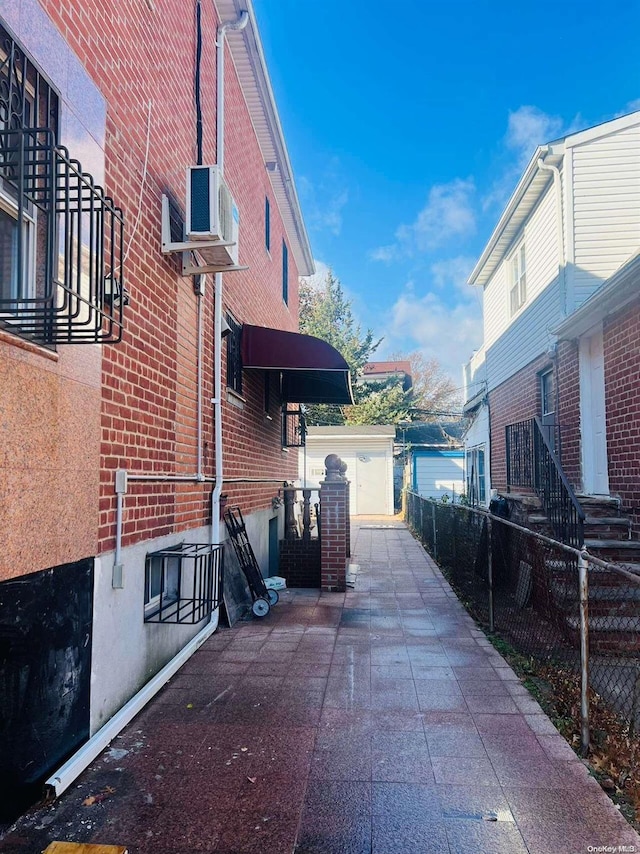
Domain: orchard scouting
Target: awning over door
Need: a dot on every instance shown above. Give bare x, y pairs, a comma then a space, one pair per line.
311, 370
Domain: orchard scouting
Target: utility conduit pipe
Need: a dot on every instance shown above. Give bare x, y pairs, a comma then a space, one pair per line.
239, 24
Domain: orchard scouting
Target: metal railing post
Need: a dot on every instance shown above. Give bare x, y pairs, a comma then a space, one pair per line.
583, 582
433, 520
490, 572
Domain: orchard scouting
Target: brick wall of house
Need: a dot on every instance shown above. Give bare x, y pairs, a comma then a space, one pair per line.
136, 55
517, 399
621, 334
569, 411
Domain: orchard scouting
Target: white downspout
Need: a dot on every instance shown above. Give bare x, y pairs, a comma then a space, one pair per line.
239, 24
562, 261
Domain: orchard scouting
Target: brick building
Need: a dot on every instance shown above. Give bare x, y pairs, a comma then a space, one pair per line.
126, 420
558, 368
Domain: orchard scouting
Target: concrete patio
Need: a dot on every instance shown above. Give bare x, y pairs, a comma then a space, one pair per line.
380, 720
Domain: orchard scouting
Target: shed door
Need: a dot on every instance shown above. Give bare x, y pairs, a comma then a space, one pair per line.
371, 484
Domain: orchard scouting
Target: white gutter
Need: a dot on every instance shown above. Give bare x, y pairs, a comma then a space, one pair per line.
73, 767
239, 24
562, 260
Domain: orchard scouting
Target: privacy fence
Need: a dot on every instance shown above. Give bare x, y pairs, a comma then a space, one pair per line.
553, 603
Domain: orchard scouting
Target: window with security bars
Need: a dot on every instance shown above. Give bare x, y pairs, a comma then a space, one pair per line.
60, 235
294, 428
234, 357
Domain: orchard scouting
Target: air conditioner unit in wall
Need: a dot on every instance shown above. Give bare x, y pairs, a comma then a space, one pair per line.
212, 214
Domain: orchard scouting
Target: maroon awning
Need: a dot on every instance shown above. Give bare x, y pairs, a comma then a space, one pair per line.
311, 370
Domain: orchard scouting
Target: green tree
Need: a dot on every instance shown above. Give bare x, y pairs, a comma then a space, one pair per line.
326, 313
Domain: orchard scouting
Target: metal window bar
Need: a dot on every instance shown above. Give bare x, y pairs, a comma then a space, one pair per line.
234, 358
201, 569
294, 428
533, 463
75, 292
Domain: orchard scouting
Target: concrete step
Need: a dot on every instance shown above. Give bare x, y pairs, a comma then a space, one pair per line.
599, 505
618, 545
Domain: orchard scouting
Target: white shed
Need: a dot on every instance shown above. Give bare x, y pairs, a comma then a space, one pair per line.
368, 453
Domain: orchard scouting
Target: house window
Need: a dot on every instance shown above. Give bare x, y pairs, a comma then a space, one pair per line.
61, 236
234, 360
518, 279
285, 273
27, 101
162, 578
267, 393
476, 479
547, 396
267, 225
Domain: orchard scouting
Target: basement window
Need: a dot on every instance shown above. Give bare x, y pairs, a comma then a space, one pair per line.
182, 583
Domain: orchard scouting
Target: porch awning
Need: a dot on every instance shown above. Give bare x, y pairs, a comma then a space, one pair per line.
311, 370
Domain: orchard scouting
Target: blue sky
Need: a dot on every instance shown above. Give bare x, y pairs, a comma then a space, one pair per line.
408, 128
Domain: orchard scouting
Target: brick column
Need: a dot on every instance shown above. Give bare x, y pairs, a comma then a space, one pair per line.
334, 492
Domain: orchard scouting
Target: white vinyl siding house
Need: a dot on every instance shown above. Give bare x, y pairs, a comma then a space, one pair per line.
606, 202
512, 341
576, 211
599, 202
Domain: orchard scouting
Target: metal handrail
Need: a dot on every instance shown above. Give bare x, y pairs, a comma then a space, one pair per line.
532, 462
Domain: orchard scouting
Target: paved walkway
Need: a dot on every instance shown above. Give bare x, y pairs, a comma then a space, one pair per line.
376, 721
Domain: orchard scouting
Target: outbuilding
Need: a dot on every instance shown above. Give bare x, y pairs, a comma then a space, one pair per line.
368, 453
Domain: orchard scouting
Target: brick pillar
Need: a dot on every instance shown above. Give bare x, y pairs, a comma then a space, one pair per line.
334, 497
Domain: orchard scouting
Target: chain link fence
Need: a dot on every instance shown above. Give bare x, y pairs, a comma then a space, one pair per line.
527, 587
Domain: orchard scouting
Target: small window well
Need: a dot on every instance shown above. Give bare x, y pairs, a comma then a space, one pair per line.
182, 584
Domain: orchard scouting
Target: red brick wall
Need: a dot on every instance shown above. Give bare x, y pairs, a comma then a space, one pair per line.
569, 411
621, 335
148, 410
515, 400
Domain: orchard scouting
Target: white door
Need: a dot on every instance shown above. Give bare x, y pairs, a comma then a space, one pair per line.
593, 420
371, 484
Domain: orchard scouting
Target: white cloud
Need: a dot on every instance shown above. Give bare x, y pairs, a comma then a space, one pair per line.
444, 324
324, 200
629, 107
453, 273
318, 279
528, 127
447, 214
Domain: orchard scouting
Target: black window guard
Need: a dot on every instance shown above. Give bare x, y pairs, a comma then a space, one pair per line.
294, 428
200, 584
234, 358
78, 292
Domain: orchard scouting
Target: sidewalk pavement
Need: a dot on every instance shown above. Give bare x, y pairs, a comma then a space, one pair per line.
380, 720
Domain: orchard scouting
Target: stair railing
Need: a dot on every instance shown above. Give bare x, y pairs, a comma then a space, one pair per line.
533, 463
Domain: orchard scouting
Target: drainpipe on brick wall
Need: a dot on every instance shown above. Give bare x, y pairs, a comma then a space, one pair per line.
239, 24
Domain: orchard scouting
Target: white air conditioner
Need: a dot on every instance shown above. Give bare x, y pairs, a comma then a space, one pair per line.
212, 213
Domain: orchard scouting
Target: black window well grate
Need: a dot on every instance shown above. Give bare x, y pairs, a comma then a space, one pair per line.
183, 583
61, 272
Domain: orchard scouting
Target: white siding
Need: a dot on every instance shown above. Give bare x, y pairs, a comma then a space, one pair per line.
439, 474
348, 449
527, 338
511, 343
540, 236
606, 193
